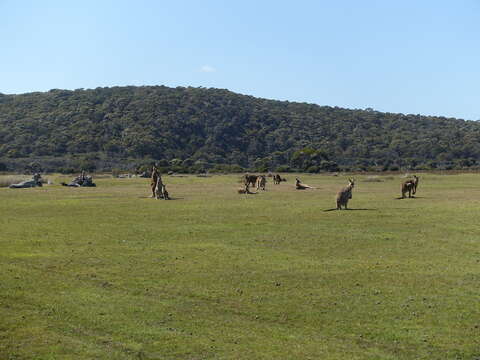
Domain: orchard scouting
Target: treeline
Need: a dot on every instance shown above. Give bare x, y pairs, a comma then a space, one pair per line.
199, 129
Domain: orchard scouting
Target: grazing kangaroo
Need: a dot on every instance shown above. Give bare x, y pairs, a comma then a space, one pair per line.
410, 186
344, 195
250, 179
261, 182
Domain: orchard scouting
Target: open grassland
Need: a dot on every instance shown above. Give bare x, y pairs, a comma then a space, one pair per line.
107, 273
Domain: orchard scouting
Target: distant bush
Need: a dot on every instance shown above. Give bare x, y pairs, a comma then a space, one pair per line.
68, 170
227, 169
34, 167
283, 168
331, 166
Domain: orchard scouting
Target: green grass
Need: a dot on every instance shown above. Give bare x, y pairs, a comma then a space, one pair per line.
107, 273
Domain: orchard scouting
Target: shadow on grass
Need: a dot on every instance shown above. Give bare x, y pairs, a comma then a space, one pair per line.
149, 197
351, 209
413, 197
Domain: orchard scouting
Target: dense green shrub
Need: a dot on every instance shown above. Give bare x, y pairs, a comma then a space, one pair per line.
195, 129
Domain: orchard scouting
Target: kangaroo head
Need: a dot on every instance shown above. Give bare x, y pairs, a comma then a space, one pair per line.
351, 182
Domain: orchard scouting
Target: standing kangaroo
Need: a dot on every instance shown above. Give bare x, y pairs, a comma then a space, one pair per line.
344, 195
415, 184
154, 179
276, 179
161, 190
410, 186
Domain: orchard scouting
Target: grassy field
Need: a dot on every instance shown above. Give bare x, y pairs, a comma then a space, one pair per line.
107, 273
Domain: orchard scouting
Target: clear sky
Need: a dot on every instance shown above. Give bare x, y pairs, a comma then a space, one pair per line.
406, 56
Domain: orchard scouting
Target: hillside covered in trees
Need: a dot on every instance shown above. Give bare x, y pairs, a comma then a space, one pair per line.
199, 129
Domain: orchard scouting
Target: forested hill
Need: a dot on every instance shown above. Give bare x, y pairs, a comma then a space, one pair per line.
194, 129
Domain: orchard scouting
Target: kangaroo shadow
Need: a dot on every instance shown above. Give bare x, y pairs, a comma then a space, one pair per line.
359, 209
149, 197
412, 197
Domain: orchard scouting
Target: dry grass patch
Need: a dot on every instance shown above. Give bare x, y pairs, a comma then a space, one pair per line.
7, 180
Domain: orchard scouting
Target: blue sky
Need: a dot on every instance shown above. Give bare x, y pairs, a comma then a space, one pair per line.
396, 56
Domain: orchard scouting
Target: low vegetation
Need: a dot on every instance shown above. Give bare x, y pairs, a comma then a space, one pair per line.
108, 273
7, 180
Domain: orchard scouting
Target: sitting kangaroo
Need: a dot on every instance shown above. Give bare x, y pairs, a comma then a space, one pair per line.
162, 193
161, 189
344, 195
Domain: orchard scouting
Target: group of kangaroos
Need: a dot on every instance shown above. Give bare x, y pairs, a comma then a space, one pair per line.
343, 195
159, 189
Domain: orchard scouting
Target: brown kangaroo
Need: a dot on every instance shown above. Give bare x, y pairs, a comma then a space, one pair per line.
154, 179
415, 184
250, 180
410, 186
345, 194
301, 186
261, 182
